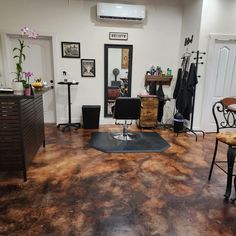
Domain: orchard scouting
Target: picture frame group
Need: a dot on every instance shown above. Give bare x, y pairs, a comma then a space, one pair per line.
72, 50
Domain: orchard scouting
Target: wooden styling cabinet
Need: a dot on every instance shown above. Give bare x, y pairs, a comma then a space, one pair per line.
21, 131
148, 116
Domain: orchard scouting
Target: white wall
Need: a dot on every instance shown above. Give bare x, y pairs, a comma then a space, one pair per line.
155, 42
191, 23
218, 17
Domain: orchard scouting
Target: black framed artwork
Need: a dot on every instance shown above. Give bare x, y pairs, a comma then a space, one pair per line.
70, 49
87, 67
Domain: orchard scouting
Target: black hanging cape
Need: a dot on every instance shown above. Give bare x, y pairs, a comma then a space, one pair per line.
186, 90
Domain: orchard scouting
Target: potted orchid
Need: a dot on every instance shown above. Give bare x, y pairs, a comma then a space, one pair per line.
20, 58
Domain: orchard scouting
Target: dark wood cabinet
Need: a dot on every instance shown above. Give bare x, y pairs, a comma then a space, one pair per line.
148, 116
21, 131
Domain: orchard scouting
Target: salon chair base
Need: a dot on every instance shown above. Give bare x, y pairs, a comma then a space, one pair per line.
124, 137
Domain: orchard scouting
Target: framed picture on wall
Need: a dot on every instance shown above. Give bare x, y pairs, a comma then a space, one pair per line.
87, 67
125, 58
70, 49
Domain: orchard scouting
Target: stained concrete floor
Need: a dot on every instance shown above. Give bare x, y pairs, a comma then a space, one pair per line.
73, 189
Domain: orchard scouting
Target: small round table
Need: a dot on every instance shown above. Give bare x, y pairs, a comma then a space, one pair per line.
69, 124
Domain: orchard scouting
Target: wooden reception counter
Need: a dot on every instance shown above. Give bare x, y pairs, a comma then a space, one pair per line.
21, 130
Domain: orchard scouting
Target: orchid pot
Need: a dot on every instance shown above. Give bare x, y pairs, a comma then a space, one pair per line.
27, 90
17, 87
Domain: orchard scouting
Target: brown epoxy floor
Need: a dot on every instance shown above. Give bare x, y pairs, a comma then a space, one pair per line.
76, 190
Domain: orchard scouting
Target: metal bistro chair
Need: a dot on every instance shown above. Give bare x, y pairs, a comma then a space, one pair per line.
126, 108
224, 112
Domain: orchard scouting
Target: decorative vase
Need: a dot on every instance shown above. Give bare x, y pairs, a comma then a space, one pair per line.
18, 88
27, 90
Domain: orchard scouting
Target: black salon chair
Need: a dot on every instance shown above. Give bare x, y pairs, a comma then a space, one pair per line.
126, 109
224, 112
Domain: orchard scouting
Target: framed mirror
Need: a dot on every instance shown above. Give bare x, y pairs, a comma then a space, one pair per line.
117, 73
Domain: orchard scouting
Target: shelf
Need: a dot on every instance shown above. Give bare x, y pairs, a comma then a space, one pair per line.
147, 96
161, 79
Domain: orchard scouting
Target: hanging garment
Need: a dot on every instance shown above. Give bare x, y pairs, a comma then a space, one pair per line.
190, 93
161, 103
178, 83
160, 112
181, 102
184, 100
181, 74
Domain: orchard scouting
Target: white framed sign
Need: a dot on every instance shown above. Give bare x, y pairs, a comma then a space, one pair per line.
118, 36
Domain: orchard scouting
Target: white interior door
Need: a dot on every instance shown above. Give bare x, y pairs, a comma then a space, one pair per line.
220, 76
39, 61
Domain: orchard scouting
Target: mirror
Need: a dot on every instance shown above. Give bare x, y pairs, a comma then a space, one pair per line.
118, 73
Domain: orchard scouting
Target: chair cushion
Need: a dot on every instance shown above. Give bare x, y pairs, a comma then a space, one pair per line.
232, 107
227, 137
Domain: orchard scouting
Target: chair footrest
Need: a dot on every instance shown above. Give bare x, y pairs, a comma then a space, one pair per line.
220, 167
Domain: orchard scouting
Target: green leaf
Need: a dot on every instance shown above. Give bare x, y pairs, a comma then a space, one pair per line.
14, 49
16, 56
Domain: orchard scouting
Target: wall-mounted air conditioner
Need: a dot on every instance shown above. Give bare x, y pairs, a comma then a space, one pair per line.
122, 12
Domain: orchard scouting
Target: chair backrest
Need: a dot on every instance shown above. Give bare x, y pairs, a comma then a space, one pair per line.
224, 112
127, 108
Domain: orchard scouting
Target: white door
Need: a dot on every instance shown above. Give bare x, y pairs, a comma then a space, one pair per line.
220, 76
39, 61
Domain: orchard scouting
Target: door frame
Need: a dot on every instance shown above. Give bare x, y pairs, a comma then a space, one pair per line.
52, 37
206, 102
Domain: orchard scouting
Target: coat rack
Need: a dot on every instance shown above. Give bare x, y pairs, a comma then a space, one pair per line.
197, 58
185, 90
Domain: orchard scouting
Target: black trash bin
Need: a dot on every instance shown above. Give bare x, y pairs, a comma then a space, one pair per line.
178, 122
91, 114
